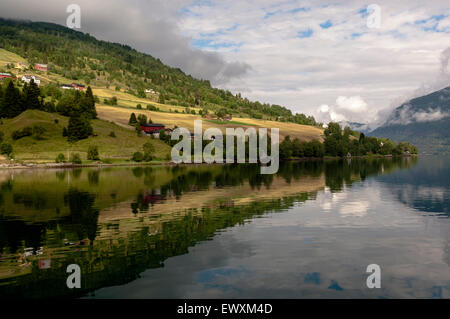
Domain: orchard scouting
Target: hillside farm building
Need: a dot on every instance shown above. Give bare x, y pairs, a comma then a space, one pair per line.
6, 76
79, 87
152, 128
67, 86
73, 86
28, 78
41, 67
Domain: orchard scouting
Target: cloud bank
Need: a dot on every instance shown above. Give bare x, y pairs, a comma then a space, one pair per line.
149, 26
300, 54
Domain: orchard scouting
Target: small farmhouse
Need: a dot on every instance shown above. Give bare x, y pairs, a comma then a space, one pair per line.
41, 67
149, 129
5, 76
28, 78
67, 87
79, 87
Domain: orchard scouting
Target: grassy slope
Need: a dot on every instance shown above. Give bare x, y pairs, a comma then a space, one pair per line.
126, 142
121, 116
121, 147
9, 57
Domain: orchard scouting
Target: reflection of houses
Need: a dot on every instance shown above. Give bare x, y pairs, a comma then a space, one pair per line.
150, 129
152, 199
28, 78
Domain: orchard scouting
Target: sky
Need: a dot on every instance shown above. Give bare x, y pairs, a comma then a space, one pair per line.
332, 60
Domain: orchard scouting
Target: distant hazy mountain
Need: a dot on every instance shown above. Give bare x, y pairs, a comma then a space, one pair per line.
360, 127
423, 121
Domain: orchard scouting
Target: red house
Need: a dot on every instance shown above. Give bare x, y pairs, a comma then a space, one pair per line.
6, 76
41, 67
152, 128
79, 87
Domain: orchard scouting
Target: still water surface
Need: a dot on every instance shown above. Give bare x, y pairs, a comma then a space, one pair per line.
309, 231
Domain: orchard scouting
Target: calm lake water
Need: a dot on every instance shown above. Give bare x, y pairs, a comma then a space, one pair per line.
309, 231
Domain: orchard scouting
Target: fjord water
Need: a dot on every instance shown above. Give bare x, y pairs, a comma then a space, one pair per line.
214, 231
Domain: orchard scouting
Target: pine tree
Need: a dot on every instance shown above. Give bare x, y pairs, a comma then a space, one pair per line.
87, 104
31, 95
79, 127
132, 120
11, 102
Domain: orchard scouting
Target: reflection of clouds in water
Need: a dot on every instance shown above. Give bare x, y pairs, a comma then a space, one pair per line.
339, 202
354, 209
329, 199
319, 248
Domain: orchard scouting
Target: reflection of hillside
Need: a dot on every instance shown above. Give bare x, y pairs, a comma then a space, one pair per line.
39, 195
213, 197
425, 187
160, 213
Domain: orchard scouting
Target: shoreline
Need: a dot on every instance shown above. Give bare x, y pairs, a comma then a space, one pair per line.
131, 164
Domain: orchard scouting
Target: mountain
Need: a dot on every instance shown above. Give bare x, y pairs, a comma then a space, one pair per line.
81, 58
360, 127
423, 121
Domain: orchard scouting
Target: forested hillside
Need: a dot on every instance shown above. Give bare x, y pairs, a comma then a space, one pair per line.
423, 121
80, 57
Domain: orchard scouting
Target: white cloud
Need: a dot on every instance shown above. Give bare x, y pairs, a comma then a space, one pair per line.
346, 59
253, 46
352, 103
345, 109
407, 116
149, 26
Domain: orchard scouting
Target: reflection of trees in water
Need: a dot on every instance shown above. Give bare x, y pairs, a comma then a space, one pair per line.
76, 173
337, 174
61, 175
114, 262
109, 262
15, 233
93, 177
342, 172
83, 216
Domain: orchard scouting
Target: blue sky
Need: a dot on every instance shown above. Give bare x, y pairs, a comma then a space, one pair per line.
326, 59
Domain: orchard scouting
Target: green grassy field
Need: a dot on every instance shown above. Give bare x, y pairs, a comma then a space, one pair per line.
9, 57
118, 149
121, 115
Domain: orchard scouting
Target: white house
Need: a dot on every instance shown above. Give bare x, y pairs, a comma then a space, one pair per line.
27, 79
